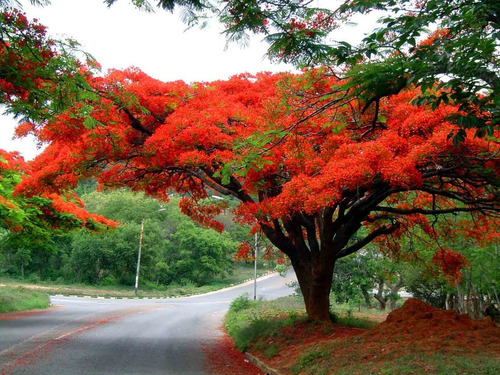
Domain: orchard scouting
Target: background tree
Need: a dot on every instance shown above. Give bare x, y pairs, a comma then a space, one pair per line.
114, 255
197, 254
174, 249
353, 280
425, 286
367, 276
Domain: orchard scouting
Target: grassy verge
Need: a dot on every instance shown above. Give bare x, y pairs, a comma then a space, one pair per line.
252, 324
248, 320
19, 298
241, 273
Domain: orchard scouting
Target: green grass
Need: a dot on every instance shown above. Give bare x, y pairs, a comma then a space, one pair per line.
345, 309
348, 319
246, 320
19, 298
310, 360
241, 273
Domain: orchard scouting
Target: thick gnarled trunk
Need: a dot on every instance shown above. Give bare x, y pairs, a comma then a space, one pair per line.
313, 242
315, 280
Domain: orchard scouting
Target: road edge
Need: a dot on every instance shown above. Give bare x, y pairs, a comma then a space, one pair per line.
261, 365
243, 283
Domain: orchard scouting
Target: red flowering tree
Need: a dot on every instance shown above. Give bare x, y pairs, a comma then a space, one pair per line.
37, 216
39, 76
320, 176
244, 253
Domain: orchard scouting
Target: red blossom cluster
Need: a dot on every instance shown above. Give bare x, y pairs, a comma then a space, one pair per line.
24, 58
244, 253
320, 22
436, 35
450, 263
49, 208
203, 213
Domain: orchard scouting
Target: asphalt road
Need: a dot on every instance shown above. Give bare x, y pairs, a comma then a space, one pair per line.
108, 336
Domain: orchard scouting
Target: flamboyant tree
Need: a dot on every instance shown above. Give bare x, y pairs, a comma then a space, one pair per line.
39, 76
321, 180
36, 216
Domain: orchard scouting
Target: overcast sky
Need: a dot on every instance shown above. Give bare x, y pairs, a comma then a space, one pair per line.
157, 43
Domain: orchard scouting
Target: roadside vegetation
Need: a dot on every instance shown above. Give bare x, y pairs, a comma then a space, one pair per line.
414, 339
178, 257
19, 299
241, 273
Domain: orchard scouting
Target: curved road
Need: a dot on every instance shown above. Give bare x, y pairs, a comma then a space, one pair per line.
110, 336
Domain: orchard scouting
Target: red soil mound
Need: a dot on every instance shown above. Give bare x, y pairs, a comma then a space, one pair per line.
418, 323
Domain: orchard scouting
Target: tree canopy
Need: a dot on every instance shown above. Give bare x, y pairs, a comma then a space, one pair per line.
38, 215
418, 42
312, 177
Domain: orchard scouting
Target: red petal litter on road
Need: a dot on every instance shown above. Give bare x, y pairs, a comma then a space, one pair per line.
225, 359
23, 314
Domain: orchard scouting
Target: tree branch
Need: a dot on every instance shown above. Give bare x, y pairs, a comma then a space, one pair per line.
433, 211
385, 230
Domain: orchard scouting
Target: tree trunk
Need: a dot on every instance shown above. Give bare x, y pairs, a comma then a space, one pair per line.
315, 280
392, 304
394, 288
368, 301
460, 301
382, 302
380, 294
22, 269
449, 302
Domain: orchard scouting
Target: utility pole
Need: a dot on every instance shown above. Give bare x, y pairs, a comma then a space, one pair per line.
255, 271
139, 259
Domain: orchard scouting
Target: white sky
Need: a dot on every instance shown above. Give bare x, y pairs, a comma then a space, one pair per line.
157, 43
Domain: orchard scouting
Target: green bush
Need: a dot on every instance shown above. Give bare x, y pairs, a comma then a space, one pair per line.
109, 280
34, 278
240, 303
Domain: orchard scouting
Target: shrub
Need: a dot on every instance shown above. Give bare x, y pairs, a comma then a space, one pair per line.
240, 303
109, 280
